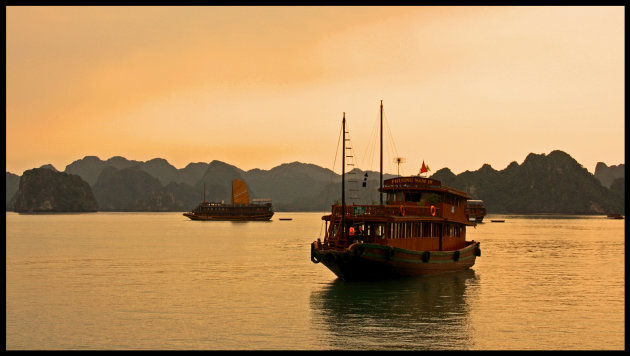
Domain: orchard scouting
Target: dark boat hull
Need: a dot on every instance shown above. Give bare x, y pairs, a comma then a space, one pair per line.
373, 261
261, 217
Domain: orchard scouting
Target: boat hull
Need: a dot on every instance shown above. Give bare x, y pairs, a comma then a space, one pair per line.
261, 217
364, 261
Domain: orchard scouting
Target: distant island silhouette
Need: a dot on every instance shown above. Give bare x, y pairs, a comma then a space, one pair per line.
552, 183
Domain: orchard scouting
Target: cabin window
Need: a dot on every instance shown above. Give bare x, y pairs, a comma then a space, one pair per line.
454, 230
452, 199
415, 197
430, 229
431, 198
399, 196
371, 231
397, 230
380, 231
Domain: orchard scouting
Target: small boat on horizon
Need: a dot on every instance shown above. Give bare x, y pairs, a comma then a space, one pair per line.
614, 216
420, 229
240, 210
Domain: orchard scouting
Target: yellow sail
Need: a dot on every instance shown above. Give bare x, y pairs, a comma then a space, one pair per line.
239, 192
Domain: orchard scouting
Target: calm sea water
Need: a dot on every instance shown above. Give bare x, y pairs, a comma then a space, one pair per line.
161, 281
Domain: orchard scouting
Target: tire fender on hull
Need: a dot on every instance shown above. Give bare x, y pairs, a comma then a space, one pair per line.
314, 255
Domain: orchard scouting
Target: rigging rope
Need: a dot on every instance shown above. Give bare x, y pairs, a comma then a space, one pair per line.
330, 182
370, 148
392, 147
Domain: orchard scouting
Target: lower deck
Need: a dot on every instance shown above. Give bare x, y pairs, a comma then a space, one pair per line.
430, 235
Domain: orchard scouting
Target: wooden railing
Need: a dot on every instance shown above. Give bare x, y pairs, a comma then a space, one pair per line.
387, 210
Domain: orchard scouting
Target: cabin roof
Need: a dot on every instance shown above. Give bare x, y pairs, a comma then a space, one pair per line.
415, 183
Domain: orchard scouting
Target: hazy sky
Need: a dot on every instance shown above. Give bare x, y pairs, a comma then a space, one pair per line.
256, 87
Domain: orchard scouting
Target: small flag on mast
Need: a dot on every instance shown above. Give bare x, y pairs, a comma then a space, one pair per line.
423, 169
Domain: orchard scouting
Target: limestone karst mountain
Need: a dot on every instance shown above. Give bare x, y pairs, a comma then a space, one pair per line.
552, 183
43, 190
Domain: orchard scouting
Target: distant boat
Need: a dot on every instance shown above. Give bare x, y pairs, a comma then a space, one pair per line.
240, 209
419, 230
497, 220
615, 216
475, 211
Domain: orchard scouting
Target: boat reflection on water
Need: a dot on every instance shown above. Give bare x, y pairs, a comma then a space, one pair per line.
427, 313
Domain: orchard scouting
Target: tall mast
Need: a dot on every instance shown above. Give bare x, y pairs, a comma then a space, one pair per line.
381, 180
343, 183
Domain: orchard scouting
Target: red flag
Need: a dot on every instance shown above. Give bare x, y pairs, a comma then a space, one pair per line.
423, 169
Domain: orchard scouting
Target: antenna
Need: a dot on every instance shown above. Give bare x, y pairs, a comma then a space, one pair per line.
398, 161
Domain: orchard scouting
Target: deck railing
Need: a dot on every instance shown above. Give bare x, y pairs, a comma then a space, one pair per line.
387, 210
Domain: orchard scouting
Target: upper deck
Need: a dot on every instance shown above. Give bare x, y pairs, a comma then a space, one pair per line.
416, 184
411, 199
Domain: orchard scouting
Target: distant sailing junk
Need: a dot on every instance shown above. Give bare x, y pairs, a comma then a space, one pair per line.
240, 195
240, 209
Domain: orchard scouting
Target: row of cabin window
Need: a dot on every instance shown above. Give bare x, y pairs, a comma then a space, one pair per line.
407, 230
424, 196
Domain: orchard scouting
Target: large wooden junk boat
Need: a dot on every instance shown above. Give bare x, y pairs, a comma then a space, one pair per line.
475, 210
419, 230
240, 209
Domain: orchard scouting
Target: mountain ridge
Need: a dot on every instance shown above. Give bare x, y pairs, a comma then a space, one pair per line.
298, 186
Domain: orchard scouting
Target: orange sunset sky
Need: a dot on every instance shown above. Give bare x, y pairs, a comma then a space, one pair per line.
256, 87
